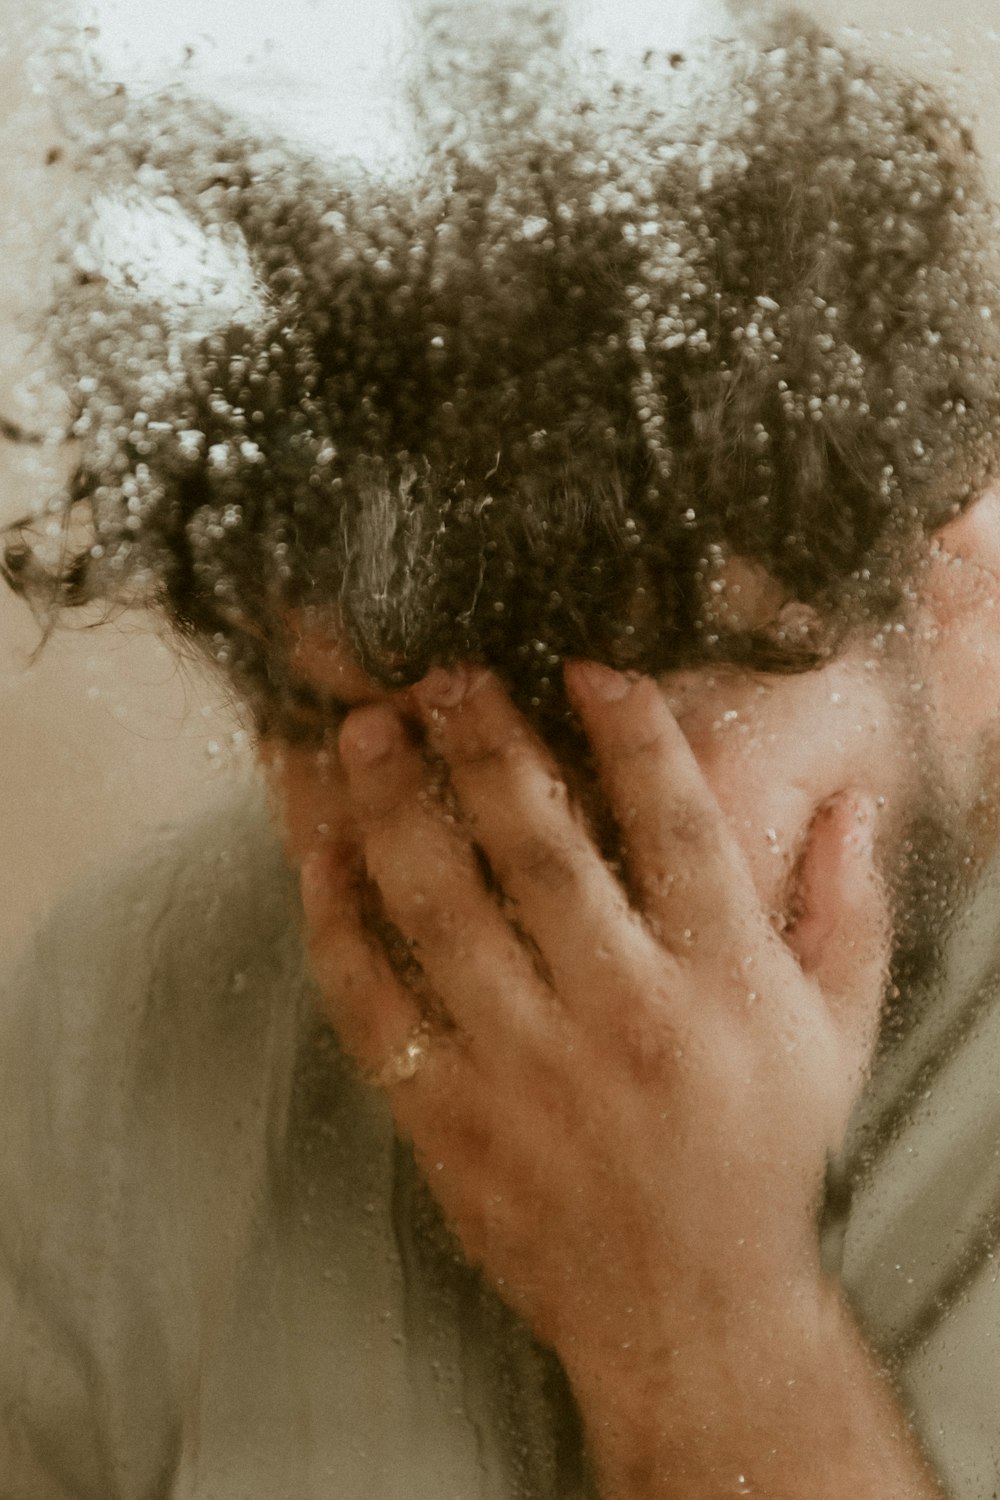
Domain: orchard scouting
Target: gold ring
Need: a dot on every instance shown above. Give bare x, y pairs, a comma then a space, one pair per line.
405, 1062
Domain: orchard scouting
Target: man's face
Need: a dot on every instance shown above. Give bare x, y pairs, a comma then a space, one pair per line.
908, 717
776, 749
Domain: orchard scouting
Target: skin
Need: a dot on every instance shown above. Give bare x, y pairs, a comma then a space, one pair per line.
687, 1038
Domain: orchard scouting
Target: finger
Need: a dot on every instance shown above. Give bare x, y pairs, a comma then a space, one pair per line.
516, 804
690, 875
438, 1099
372, 1012
430, 885
309, 798
842, 935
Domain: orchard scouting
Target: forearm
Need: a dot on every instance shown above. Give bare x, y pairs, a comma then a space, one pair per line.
785, 1403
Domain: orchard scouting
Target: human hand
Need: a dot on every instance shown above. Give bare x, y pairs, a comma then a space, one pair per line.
624, 1101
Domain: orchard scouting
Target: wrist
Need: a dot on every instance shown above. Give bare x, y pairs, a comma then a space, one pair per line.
778, 1397
714, 1330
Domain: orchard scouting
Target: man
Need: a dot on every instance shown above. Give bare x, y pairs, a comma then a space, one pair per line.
607, 397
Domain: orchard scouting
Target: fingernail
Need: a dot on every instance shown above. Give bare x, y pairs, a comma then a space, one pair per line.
600, 681
369, 734
443, 688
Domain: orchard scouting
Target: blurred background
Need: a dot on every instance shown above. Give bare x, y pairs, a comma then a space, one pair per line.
107, 733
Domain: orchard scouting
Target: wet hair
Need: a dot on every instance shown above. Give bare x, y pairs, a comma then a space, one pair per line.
524, 401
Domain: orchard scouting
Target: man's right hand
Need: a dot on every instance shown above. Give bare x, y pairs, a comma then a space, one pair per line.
624, 1106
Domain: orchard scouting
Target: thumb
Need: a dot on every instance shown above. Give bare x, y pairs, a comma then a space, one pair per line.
842, 937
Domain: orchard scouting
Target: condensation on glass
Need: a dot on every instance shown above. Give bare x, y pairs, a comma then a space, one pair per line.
225, 1272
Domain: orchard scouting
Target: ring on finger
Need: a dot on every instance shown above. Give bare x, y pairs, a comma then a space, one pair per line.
403, 1064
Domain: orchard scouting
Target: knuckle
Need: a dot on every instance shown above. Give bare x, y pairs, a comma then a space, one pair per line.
644, 743
688, 823
539, 861
489, 754
428, 918
437, 930
382, 811
436, 913
648, 1046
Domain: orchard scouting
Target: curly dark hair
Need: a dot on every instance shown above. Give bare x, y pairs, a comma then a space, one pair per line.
516, 407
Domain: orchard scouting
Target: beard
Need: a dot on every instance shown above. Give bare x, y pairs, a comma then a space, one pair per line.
931, 869
928, 882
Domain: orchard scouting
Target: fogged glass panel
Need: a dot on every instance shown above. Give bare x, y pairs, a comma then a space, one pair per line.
498, 682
